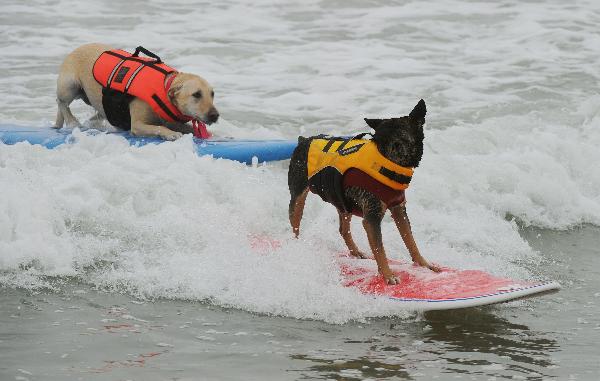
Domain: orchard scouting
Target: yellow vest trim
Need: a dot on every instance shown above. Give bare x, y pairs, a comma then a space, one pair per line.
361, 154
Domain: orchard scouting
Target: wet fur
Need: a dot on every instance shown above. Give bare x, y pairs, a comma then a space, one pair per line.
76, 81
401, 141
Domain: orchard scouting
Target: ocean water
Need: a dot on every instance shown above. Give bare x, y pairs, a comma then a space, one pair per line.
149, 240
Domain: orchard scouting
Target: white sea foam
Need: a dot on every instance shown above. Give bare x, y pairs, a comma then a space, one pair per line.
512, 135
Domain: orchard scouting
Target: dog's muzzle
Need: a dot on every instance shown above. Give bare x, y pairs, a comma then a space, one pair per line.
212, 116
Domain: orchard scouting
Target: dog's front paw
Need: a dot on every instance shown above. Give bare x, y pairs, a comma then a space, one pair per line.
434, 268
431, 267
172, 135
422, 262
389, 276
358, 254
392, 280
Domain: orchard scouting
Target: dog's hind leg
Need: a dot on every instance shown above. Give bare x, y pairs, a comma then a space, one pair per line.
403, 224
60, 120
347, 234
296, 210
67, 89
298, 183
373, 214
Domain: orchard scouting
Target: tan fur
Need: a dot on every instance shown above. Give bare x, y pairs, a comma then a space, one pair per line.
76, 77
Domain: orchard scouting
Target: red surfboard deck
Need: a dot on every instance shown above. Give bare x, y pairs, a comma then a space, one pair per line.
422, 289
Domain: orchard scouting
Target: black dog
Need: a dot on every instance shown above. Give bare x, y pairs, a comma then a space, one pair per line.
362, 177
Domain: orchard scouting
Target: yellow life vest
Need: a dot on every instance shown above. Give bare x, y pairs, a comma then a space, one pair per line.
360, 154
330, 159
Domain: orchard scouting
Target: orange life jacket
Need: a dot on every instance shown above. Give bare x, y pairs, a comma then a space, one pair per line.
124, 75
335, 164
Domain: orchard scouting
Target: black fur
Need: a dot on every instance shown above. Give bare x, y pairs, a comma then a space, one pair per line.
298, 170
401, 139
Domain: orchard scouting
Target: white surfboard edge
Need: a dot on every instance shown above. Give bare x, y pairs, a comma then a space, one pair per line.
480, 300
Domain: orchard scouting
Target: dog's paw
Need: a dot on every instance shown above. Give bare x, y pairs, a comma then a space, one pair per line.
358, 254
392, 280
172, 135
423, 263
434, 268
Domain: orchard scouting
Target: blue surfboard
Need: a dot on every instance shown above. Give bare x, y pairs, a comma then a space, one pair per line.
239, 150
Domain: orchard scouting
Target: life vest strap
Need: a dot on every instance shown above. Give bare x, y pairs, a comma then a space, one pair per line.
164, 107
362, 135
395, 176
328, 145
152, 64
345, 141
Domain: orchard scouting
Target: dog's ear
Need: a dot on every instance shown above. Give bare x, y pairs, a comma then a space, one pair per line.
418, 113
173, 90
373, 123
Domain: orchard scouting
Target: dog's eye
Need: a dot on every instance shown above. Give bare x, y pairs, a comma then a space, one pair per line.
197, 94
212, 94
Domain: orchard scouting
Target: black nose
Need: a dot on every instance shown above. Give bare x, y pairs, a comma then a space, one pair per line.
213, 115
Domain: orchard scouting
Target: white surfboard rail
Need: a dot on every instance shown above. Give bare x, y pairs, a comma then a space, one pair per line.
479, 300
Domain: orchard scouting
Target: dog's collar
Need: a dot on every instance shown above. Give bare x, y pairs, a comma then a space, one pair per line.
169, 81
199, 127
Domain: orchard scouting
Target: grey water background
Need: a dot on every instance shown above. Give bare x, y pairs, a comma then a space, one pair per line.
512, 94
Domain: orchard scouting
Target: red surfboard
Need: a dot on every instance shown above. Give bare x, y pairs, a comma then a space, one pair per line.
421, 289
424, 290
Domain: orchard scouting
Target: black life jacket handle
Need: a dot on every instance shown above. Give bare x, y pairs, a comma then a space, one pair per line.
360, 136
146, 52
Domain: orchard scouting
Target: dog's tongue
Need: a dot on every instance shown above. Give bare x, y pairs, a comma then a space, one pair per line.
200, 130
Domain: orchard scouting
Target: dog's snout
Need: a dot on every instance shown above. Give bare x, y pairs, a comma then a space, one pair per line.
212, 115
